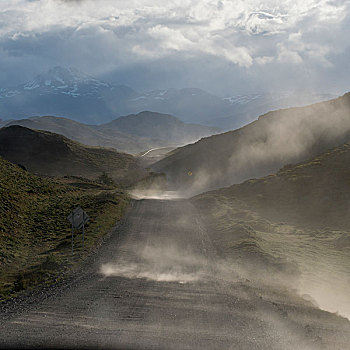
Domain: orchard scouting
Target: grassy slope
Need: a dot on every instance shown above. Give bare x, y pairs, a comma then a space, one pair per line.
293, 225
35, 241
47, 153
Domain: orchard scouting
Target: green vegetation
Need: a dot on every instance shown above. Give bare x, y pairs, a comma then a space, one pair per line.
105, 179
35, 236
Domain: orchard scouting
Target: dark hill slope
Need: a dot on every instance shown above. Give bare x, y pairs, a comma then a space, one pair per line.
260, 148
47, 153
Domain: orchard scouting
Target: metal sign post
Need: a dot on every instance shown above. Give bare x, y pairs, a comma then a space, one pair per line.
83, 234
72, 239
78, 218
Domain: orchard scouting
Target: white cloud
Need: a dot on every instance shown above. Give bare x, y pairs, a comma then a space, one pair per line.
179, 25
245, 33
288, 56
262, 60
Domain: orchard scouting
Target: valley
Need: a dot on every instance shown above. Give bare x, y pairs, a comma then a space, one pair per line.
173, 259
174, 175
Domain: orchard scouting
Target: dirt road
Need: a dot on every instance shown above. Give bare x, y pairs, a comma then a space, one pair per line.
158, 283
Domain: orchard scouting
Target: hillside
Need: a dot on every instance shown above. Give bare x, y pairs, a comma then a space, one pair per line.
132, 134
46, 153
293, 226
35, 236
90, 134
314, 193
260, 148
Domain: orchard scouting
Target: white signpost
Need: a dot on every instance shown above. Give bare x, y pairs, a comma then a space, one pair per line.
78, 218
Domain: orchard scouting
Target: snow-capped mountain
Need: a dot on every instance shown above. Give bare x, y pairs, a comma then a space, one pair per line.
59, 81
67, 92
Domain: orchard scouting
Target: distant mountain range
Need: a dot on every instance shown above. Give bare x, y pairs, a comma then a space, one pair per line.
69, 93
260, 148
131, 134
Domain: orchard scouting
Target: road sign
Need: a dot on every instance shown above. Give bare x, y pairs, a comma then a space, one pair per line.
78, 218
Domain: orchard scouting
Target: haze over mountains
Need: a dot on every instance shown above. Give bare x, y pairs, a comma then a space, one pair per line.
69, 93
260, 148
131, 134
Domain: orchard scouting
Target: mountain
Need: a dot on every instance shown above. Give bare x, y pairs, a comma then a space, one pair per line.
246, 108
293, 225
90, 134
158, 126
131, 134
66, 92
260, 148
46, 153
190, 104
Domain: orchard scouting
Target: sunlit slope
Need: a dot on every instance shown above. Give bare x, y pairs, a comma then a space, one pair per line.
260, 148
47, 153
293, 225
35, 236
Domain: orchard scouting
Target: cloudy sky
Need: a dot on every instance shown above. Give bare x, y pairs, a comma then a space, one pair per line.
226, 46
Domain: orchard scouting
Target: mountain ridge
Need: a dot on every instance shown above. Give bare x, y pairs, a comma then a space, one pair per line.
170, 131
67, 92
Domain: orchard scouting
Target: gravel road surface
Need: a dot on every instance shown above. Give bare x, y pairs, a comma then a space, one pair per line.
158, 283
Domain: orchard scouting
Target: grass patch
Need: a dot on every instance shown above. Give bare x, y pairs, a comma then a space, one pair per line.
35, 236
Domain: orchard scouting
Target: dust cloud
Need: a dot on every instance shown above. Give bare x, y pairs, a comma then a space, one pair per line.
159, 263
152, 193
329, 288
165, 245
260, 148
